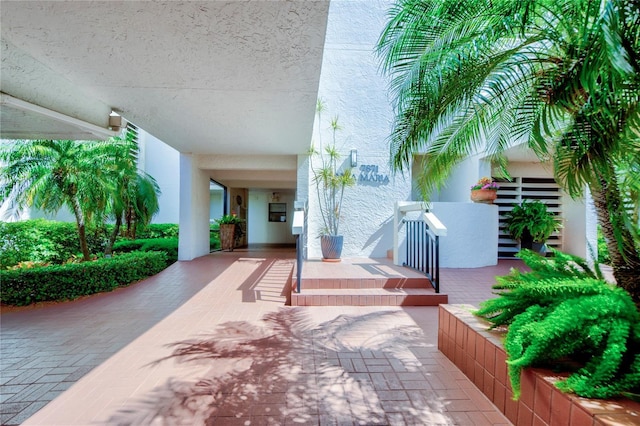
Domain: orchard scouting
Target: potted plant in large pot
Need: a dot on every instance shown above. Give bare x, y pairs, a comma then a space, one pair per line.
330, 179
532, 223
230, 231
484, 191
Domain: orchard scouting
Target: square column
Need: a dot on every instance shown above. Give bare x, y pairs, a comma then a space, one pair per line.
194, 210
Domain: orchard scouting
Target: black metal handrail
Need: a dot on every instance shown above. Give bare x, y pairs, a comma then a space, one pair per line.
423, 250
299, 260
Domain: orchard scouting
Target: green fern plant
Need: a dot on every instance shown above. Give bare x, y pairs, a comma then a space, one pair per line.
531, 217
564, 309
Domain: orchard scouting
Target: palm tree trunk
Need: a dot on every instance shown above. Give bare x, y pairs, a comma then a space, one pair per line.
625, 259
129, 221
112, 238
82, 235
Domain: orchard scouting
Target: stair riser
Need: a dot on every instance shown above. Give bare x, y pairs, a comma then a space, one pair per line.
355, 283
361, 300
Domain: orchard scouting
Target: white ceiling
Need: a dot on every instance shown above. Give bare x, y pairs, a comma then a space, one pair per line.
206, 77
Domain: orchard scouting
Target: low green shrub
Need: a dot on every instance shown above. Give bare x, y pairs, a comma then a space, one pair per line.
214, 236
214, 241
158, 230
126, 246
564, 310
66, 282
167, 245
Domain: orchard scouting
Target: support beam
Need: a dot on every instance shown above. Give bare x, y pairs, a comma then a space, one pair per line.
19, 104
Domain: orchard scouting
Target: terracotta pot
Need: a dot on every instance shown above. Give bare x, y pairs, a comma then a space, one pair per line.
483, 196
227, 236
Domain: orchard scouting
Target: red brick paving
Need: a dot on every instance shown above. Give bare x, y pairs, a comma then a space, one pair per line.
240, 356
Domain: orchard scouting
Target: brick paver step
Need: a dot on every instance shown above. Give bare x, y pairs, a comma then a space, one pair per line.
368, 297
368, 282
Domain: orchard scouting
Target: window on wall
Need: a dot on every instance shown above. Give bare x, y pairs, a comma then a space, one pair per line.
277, 212
526, 188
133, 131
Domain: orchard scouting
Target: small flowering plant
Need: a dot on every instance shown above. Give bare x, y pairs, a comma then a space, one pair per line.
485, 183
229, 219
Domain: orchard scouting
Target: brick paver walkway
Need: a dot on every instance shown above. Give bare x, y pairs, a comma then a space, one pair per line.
237, 354
45, 349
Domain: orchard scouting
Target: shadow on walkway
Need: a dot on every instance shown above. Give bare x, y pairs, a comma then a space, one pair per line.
211, 342
46, 348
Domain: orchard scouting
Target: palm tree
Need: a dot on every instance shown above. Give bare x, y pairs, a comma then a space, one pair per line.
561, 75
49, 174
134, 199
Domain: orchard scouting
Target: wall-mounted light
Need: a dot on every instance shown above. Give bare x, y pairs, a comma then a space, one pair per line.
354, 157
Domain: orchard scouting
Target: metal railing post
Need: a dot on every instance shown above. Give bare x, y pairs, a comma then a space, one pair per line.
437, 263
299, 246
423, 248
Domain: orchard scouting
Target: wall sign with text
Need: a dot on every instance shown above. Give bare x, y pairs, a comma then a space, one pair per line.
369, 175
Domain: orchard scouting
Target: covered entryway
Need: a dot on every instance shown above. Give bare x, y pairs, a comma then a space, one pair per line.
231, 85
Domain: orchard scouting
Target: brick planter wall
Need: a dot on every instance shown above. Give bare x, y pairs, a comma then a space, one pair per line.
479, 354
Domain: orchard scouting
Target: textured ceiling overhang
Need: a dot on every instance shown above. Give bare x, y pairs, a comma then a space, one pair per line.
206, 77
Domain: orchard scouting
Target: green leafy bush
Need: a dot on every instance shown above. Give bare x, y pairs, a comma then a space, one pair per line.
603, 250
167, 245
214, 240
531, 217
97, 238
158, 230
564, 310
37, 240
66, 282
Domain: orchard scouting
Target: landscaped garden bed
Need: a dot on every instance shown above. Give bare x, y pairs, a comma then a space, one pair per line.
66, 282
40, 260
478, 352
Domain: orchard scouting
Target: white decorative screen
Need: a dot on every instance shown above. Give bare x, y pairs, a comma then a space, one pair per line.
523, 188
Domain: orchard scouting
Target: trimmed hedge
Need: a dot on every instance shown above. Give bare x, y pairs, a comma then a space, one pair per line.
166, 245
65, 282
126, 246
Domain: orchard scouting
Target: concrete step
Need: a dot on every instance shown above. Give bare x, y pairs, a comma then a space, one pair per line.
368, 297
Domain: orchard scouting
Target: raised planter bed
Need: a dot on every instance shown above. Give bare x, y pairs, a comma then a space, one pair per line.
478, 353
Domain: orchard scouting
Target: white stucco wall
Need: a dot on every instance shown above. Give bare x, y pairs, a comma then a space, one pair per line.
163, 163
472, 234
260, 230
352, 89
457, 188
63, 215
591, 225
